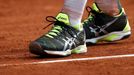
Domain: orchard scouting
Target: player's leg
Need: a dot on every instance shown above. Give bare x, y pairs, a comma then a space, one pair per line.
74, 9
108, 22
67, 35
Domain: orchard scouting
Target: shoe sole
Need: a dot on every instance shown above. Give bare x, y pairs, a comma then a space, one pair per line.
111, 37
77, 50
36, 49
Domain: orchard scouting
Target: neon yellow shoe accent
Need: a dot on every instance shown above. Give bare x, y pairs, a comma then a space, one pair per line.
49, 36
52, 34
76, 51
79, 49
54, 30
127, 28
63, 18
94, 6
78, 27
110, 38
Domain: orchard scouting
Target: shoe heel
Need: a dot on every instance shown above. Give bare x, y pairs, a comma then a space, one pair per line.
80, 49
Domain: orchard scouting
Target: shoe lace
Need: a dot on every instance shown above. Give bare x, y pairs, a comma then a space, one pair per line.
58, 27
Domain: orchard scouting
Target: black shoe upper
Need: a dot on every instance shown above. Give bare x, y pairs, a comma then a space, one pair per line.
99, 24
66, 38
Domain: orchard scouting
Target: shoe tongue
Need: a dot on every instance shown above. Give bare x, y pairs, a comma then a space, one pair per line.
63, 18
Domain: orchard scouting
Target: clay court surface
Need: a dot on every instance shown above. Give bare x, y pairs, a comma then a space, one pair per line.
22, 21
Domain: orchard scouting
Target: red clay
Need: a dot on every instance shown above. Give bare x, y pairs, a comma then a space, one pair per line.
21, 21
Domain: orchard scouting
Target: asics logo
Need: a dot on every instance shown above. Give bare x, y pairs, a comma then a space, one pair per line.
103, 27
109, 23
69, 42
62, 18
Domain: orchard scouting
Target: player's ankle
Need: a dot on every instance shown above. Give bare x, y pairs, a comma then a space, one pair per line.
110, 7
112, 12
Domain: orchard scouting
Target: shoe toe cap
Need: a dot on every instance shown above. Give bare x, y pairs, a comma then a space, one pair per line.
36, 48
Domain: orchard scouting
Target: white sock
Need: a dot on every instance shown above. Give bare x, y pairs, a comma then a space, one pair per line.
75, 9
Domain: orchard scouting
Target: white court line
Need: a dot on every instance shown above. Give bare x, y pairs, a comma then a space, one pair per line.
70, 60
